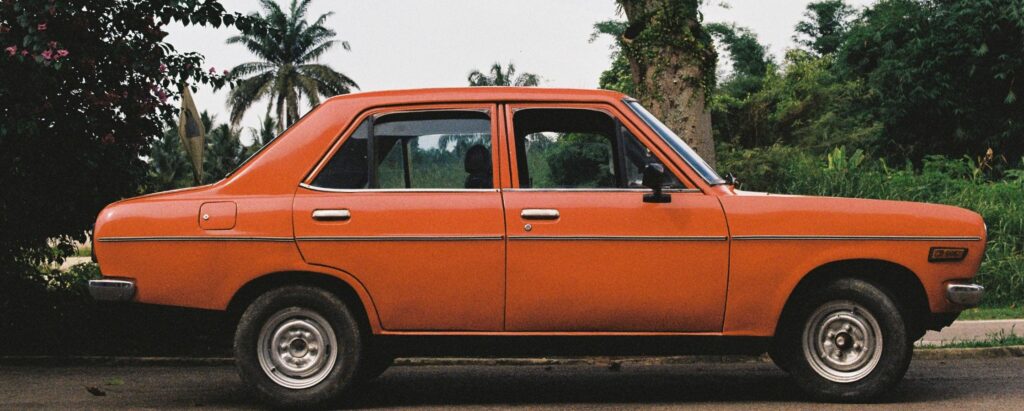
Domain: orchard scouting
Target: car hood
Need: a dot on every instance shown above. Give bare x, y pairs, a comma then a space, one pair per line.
764, 214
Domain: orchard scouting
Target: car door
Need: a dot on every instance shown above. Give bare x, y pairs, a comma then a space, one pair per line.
585, 252
421, 226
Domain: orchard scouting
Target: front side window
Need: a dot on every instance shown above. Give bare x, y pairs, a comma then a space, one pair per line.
415, 150
695, 161
577, 148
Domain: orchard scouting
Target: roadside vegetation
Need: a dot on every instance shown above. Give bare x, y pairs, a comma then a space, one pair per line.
996, 339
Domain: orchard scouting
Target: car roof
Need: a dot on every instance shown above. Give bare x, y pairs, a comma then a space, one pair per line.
474, 94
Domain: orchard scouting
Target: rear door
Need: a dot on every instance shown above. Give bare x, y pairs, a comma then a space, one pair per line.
407, 204
585, 252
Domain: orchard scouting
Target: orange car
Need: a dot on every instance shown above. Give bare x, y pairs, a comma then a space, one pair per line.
522, 221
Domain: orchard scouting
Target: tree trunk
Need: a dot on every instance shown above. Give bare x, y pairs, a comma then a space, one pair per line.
672, 62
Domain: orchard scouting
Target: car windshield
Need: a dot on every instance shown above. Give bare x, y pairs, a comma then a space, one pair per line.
698, 164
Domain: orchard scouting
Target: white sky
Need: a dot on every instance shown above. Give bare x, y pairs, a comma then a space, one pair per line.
399, 44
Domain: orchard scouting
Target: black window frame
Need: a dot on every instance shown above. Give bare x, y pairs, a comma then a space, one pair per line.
373, 163
617, 141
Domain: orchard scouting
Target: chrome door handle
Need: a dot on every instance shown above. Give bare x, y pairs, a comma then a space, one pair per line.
539, 214
332, 215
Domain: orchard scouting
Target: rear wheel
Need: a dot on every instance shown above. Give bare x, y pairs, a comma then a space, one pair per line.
298, 346
845, 341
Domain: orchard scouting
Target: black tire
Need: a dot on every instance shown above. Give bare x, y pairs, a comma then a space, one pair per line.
845, 318
297, 305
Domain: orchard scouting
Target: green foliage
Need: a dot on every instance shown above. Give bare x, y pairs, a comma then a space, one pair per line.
168, 165
84, 92
962, 183
824, 26
578, 160
944, 75
287, 70
502, 77
749, 56
804, 104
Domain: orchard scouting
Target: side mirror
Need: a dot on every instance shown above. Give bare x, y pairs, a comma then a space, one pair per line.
654, 178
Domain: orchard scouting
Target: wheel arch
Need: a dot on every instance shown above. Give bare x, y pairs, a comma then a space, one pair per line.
354, 296
901, 283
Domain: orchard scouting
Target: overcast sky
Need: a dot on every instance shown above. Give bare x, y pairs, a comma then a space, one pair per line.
399, 44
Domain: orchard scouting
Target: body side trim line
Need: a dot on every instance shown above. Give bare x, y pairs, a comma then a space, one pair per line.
194, 238
851, 238
406, 238
614, 238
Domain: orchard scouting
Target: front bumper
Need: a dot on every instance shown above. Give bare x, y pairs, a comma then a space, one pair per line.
966, 295
109, 289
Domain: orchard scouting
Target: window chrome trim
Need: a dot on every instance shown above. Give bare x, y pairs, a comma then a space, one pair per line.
851, 238
629, 102
194, 239
398, 190
404, 238
614, 238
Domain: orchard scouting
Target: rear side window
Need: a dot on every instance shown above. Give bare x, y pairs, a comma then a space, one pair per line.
416, 150
578, 148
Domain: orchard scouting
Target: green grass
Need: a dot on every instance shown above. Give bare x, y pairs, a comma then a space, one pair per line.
998, 313
997, 339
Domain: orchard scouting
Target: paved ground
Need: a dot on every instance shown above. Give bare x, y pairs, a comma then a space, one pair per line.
988, 384
973, 330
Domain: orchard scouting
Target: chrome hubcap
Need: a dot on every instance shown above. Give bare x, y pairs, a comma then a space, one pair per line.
297, 348
842, 341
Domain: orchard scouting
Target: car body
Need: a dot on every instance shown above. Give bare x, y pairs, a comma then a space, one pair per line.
523, 242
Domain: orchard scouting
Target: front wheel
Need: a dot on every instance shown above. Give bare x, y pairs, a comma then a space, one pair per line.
298, 347
845, 341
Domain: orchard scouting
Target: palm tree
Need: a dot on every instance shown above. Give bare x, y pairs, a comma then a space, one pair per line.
287, 70
503, 77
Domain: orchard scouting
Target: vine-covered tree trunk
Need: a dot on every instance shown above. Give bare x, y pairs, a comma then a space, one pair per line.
672, 61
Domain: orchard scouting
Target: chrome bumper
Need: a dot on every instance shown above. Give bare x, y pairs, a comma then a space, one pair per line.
967, 295
112, 290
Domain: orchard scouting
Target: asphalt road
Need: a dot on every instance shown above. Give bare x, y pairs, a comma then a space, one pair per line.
987, 384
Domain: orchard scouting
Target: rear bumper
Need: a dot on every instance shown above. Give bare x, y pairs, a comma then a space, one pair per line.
965, 295
109, 289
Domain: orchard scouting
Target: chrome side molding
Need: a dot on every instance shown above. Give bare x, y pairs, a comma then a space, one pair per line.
112, 290
967, 295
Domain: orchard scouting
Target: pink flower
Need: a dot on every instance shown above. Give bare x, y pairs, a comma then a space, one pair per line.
41, 27
62, 53
225, 72
163, 68
213, 70
47, 54
24, 52
11, 50
162, 95
53, 44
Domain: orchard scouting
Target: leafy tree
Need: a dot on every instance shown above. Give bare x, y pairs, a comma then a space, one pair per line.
224, 150
84, 91
287, 70
168, 164
261, 136
169, 168
749, 56
824, 26
503, 77
672, 63
618, 77
946, 75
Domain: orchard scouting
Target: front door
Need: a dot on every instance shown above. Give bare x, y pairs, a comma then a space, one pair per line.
585, 252
408, 205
